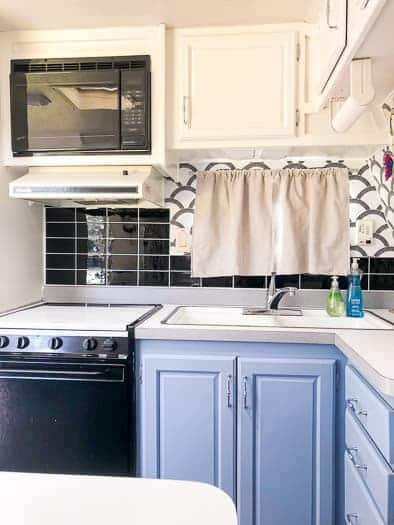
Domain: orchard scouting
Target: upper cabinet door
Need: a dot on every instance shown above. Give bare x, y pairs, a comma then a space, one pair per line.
234, 86
332, 38
361, 17
285, 441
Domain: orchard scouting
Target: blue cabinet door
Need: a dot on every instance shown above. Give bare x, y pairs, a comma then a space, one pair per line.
286, 441
188, 419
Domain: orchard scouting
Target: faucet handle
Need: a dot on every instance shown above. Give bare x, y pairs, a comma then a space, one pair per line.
291, 290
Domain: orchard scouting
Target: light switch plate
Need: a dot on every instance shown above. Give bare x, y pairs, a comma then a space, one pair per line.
365, 231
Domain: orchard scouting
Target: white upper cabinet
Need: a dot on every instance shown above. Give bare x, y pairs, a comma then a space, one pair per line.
232, 85
343, 28
332, 38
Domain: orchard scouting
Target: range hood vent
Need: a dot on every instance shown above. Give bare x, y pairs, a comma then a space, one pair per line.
91, 186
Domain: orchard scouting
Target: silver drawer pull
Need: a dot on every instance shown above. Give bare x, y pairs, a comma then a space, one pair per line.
364, 4
358, 466
352, 405
351, 519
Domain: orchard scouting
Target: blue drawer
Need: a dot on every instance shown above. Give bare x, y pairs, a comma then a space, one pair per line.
372, 412
371, 466
359, 506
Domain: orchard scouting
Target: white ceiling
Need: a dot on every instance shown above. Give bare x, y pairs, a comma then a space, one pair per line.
68, 14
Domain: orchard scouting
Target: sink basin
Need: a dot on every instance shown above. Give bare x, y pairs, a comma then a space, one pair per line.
233, 316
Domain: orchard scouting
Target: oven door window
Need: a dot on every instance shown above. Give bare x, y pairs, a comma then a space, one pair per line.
65, 111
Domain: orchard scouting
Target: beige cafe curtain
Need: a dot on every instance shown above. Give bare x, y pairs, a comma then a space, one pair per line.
232, 223
254, 222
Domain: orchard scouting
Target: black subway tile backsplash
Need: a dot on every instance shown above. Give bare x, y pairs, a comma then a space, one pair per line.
381, 282
60, 261
131, 247
60, 245
220, 282
154, 247
154, 231
123, 246
382, 265
154, 215
60, 229
154, 262
60, 214
122, 278
154, 278
123, 262
126, 215
60, 277
181, 262
184, 279
249, 282
123, 230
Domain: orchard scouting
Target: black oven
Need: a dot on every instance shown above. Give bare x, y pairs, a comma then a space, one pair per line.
80, 106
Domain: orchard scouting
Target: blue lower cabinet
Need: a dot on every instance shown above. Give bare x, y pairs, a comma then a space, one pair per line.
187, 419
286, 441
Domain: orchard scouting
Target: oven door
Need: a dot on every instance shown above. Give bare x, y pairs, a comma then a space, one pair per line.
65, 111
65, 418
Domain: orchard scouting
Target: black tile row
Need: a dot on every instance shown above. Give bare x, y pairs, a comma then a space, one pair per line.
100, 277
116, 230
125, 215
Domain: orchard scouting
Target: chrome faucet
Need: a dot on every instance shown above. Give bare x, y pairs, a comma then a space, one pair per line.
272, 299
274, 295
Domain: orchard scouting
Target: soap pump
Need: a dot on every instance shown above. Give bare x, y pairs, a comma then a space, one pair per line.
335, 306
354, 301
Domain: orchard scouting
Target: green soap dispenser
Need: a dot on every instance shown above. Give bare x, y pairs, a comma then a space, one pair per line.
335, 306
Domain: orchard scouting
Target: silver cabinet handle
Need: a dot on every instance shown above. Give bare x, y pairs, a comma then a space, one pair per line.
228, 390
186, 111
352, 405
245, 391
351, 519
328, 15
358, 466
364, 4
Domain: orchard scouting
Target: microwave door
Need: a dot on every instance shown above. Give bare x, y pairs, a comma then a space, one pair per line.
66, 111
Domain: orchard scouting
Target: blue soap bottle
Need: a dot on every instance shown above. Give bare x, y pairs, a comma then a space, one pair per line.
354, 300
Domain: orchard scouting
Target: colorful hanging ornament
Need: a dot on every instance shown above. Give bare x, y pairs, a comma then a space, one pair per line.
388, 162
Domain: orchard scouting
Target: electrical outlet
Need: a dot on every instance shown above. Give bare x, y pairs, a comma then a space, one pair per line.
182, 241
365, 231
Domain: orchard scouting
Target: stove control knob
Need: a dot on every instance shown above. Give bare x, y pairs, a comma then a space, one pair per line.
55, 343
110, 345
4, 341
23, 342
89, 344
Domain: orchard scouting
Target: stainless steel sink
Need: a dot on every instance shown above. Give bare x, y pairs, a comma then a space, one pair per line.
234, 317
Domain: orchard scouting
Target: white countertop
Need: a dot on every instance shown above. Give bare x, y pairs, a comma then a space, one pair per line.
370, 351
47, 499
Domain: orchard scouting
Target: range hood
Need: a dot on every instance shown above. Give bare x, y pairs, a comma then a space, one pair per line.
91, 186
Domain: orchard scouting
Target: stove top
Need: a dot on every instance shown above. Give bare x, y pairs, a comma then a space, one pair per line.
77, 330
78, 317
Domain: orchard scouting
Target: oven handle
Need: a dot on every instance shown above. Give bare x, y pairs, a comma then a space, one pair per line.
92, 375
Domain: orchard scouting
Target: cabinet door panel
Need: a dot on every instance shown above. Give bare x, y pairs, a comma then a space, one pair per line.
286, 444
188, 419
332, 38
238, 86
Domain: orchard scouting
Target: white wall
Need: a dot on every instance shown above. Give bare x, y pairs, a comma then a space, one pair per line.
20, 247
